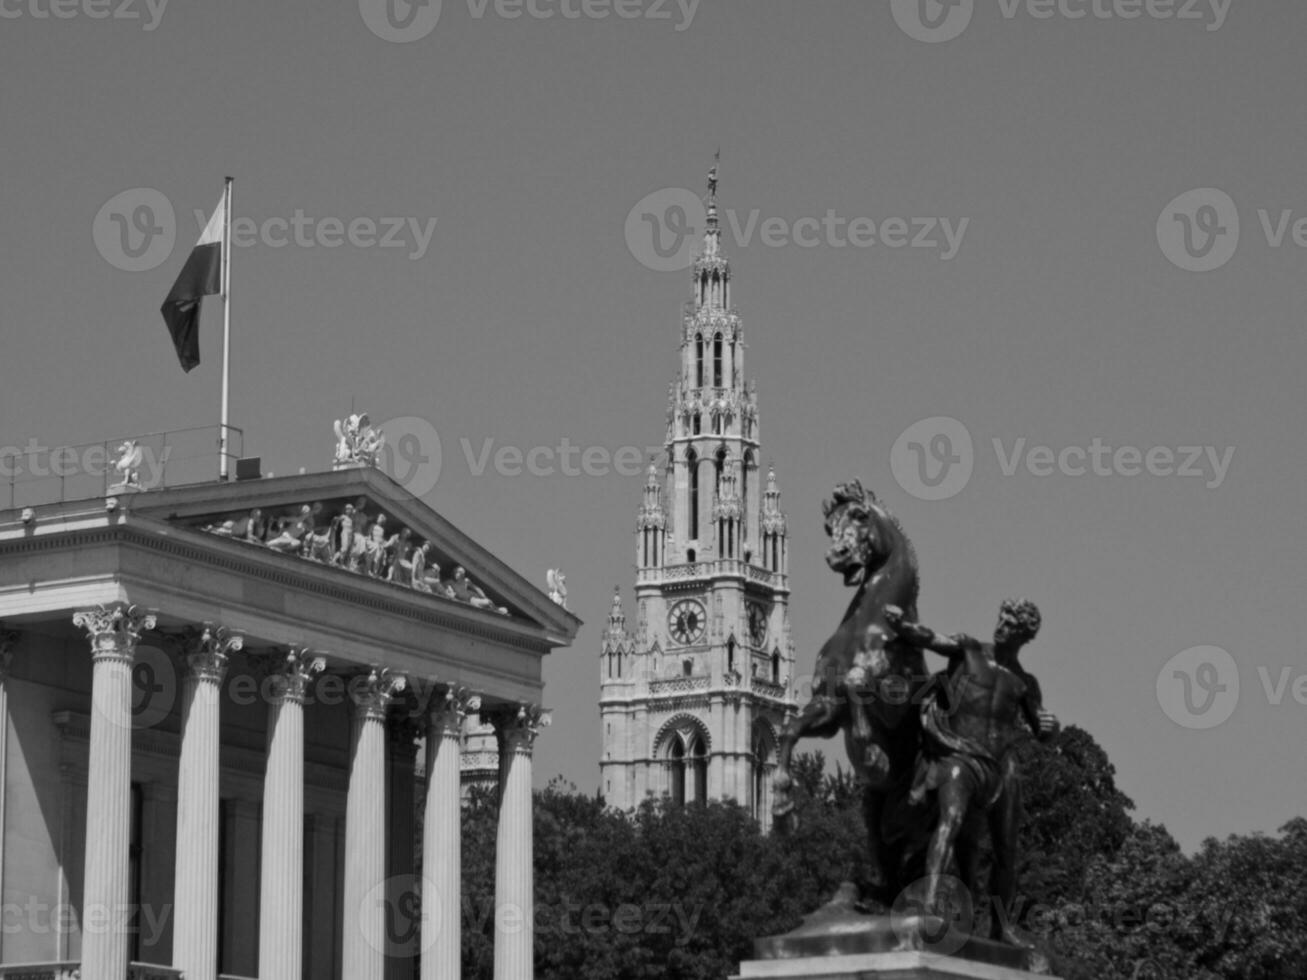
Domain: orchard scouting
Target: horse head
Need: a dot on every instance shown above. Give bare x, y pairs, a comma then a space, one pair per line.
863, 536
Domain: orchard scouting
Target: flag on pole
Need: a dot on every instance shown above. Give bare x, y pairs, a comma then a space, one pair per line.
200, 276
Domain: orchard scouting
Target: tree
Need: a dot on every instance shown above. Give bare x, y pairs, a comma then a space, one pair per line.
1248, 903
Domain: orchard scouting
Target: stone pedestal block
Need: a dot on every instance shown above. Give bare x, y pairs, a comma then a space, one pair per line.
901, 965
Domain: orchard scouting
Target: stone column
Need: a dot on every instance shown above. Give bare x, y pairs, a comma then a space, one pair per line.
403, 894
442, 838
114, 631
8, 640
515, 846
281, 874
195, 889
364, 923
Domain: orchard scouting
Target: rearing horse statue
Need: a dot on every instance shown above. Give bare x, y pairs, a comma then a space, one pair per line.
867, 682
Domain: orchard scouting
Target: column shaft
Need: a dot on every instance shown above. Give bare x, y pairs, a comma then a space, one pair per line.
106, 892
364, 923
515, 849
195, 936
8, 639
281, 875
442, 830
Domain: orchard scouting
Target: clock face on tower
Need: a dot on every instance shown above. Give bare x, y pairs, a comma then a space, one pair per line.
686, 622
757, 623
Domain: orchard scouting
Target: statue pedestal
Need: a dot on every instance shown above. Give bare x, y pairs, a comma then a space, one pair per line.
837, 942
902, 965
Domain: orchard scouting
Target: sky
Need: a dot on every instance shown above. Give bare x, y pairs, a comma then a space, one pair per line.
1123, 281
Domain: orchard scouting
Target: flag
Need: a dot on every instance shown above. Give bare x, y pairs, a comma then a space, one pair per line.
200, 276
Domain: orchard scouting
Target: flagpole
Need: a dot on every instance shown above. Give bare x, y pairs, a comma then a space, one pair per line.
226, 335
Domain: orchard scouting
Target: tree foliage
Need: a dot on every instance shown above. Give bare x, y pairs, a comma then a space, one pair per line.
680, 893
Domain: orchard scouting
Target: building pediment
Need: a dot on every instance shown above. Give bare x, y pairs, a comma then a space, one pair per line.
357, 524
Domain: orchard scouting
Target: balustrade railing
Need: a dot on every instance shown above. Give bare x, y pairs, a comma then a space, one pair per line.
35, 473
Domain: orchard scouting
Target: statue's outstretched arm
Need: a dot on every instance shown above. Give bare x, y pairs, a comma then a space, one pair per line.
923, 637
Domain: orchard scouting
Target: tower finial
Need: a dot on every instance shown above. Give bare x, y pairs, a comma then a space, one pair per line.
711, 242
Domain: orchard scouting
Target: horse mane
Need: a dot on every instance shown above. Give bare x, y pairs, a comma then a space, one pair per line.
909, 548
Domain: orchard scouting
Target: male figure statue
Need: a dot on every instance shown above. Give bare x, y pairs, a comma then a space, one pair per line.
967, 752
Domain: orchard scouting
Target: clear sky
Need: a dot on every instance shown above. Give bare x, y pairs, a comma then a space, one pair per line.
527, 317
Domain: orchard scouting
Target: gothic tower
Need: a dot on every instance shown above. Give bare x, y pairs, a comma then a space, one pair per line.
692, 702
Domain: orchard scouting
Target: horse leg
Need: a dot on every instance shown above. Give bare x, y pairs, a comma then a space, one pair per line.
820, 718
882, 873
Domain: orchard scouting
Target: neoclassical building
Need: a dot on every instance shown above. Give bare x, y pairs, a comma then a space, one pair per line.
211, 705
692, 701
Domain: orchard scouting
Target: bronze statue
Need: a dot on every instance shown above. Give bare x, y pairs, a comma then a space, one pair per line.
970, 726
882, 734
934, 758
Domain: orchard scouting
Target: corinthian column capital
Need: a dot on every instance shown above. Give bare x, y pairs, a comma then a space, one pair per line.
518, 728
206, 650
372, 692
292, 673
450, 710
114, 630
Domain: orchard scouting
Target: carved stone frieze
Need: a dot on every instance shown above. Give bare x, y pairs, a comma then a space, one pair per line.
355, 536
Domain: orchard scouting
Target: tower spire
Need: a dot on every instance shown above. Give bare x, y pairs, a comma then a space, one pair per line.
712, 272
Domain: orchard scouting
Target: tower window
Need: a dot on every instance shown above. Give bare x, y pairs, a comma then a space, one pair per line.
776, 667
698, 423
676, 770
692, 460
699, 761
687, 668
717, 361
698, 362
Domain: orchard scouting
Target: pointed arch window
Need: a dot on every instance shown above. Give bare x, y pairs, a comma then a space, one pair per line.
761, 755
717, 361
699, 768
676, 772
698, 362
775, 667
